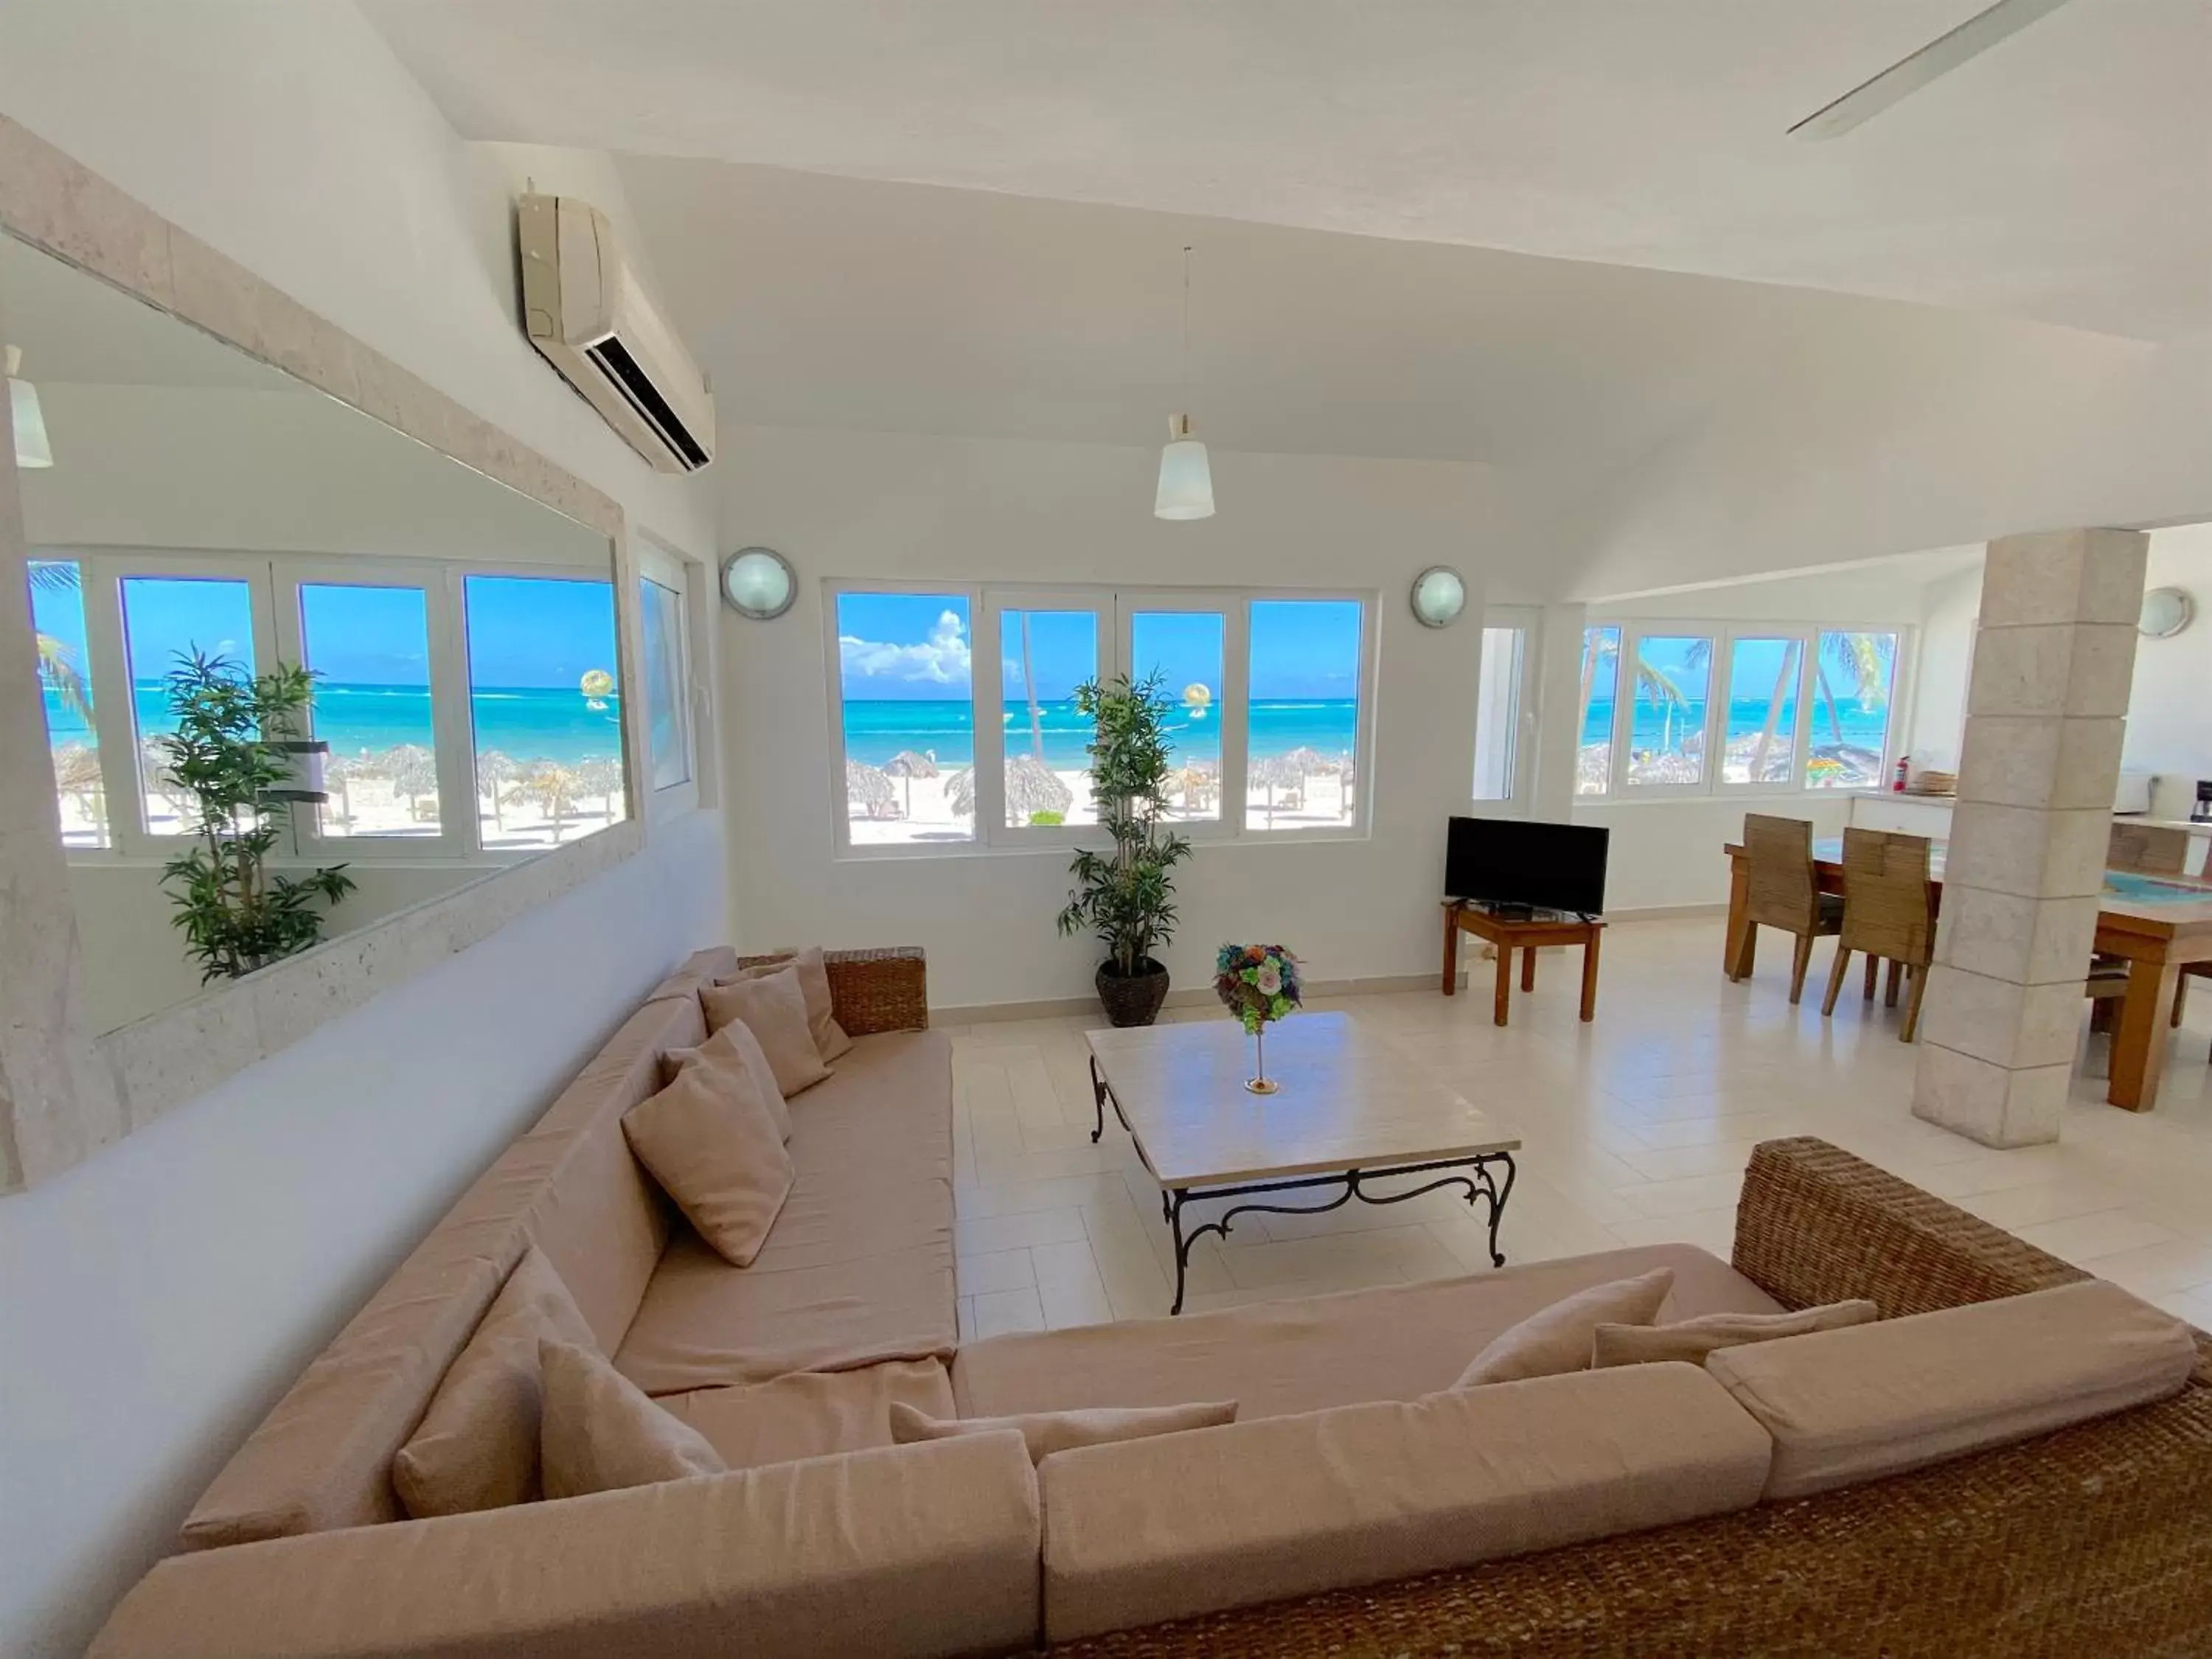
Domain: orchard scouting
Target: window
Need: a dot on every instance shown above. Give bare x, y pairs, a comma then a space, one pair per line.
1853, 676
1043, 655
65, 686
1301, 731
1601, 687
667, 677
166, 618
1760, 737
545, 710
1667, 734
906, 692
1501, 700
928, 756
370, 645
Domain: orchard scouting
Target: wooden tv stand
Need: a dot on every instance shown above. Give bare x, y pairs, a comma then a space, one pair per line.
1528, 936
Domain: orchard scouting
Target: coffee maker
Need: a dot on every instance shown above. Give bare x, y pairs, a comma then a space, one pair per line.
2202, 813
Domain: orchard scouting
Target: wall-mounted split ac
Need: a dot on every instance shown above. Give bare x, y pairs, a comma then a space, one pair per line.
584, 310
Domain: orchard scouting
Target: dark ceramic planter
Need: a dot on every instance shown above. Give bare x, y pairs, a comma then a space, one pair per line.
1135, 999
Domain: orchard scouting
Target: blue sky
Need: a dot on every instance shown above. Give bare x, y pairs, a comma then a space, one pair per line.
527, 632
912, 646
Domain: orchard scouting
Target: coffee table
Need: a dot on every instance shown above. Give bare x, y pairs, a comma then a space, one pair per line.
1350, 1111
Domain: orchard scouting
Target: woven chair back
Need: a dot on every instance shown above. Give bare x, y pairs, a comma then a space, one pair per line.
1784, 892
2148, 849
1888, 911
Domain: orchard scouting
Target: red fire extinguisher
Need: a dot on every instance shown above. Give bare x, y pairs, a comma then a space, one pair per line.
1897, 787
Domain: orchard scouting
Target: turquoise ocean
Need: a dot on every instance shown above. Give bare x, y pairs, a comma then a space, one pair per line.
877, 730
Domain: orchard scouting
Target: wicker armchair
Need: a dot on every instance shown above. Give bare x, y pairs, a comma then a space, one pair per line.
2096, 1538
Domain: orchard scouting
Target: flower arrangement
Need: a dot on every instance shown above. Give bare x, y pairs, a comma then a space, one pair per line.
1256, 983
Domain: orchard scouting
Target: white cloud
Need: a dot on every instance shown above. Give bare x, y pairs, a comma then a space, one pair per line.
940, 659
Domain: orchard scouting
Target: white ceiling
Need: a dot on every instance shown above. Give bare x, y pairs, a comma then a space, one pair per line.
2064, 176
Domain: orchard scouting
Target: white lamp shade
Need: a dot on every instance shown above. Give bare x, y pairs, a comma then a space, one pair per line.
758, 582
32, 448
1186, 481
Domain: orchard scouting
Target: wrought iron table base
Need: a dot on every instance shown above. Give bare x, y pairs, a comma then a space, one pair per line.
1478, 1175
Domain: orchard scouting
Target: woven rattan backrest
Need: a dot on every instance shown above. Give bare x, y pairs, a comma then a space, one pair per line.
2149, 849
1783, 893
1886, 909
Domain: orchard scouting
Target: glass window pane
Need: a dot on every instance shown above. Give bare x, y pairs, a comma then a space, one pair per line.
1601, 684
545, 708
1302, 736
1853, 675
371, 647
1761, 741
165, 617
65, 686
1044, 655
908, 713
1186, 650
1497, 712
1666, 736
668, 715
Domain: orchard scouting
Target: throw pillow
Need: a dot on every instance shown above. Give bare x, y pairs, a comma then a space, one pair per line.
733, 1047
1558, 1337
476, 1447
713, 1144
1694, 1339
1047, 1432
773, 1007
602, 1433
828, 1036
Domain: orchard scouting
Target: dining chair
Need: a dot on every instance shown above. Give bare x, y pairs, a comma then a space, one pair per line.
1784, 891
1889, 913
2148, 849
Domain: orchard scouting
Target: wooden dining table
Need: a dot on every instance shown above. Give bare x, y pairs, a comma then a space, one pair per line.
2158, 923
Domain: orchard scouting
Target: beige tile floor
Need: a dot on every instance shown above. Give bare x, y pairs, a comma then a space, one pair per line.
1636, 1129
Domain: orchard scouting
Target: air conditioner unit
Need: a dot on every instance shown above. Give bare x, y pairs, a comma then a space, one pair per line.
585, 311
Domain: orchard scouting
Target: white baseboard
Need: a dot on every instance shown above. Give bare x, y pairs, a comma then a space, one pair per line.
981, 1013
1668, 913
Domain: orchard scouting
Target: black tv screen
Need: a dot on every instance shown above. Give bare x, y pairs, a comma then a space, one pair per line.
1552, 866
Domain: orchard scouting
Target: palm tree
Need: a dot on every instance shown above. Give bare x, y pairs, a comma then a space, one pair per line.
1782, 679
1029, 689
57, 667
1860, 660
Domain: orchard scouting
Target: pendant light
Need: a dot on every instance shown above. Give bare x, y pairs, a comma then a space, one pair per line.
32, 448
1186, 481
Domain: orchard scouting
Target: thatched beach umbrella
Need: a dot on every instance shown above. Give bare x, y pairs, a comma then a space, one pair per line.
960, 792
603, 778
76, 773
495, 770
1033, 788
413, 771
1276, 772
907, 765
1308, 762
869, 786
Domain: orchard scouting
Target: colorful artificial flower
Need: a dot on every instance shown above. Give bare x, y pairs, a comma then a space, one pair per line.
1258, 983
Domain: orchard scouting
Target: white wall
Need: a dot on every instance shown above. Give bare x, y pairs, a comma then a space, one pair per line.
866, 504
160, 1297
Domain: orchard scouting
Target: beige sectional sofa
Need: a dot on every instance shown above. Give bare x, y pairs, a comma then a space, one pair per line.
1354, 1462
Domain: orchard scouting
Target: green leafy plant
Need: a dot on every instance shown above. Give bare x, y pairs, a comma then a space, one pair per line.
1126, 895
236, 914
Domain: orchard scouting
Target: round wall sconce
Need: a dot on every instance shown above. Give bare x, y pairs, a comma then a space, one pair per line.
1439, 595
2165, 612
758, 583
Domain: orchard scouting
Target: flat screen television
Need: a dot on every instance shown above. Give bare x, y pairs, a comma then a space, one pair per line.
1551, 866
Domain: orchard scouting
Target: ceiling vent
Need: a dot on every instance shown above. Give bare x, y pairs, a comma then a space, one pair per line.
586, 312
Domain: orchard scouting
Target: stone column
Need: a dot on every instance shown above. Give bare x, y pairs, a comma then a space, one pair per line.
2046, 706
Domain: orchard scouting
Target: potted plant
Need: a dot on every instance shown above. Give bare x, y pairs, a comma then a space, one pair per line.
1126, 894
230, 755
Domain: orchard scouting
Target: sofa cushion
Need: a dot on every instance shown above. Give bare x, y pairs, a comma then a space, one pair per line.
1047, 1432
600, 1434
829, 1038
1691, 1340
711, 1142
811, 1413
1560, 1337
733, 1047
1854, 1405
1145, 1530
884, 1116
907, 1552
701, 969
773, 1007
477, 1445
1398, 1342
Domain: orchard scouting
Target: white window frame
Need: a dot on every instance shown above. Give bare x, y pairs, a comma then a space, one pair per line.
1526, 623
1116, 609
1597, 625
1724, 635
667, 571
